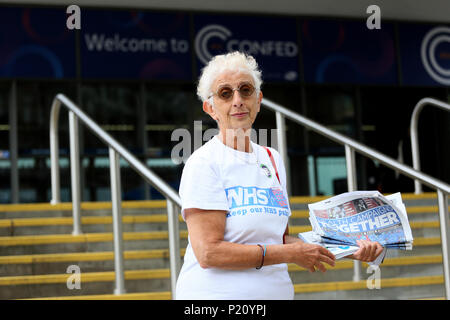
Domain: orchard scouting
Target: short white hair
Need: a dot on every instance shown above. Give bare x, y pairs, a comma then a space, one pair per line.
233, 61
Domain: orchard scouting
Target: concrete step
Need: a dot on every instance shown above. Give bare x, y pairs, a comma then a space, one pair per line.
389, 288
159, 206
95, 224
429, 265
36, 268
19, 287
88, 206
164, 295
87, 262
85, 242
150, 259
146, 222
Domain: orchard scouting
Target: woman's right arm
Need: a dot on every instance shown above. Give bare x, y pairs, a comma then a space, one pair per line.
206, 232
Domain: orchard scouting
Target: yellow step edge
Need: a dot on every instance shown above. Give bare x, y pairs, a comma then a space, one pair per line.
164, 253
109, 276
67, 206
88, 237
358, 285
85, 256
299, 288
61, 221
388, 262
85, 277
165, 295
130, 236
162, 218
427, 241
424, 195
159, 204
423, 209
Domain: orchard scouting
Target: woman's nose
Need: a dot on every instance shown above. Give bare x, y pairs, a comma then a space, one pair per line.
237, 100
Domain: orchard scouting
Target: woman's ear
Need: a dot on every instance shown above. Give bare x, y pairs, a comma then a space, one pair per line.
209, 109
259, 100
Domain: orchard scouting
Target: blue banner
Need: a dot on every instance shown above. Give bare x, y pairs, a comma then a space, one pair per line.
35, 42
346, 51
271, 41
135, 44
425, 54
254, 200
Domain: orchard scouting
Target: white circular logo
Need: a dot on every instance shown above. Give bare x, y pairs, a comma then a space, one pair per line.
429, 43
203, 36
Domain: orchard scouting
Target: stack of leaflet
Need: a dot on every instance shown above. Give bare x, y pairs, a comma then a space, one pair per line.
339, 251
340, 221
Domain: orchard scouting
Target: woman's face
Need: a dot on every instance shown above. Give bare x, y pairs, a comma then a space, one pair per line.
237, 112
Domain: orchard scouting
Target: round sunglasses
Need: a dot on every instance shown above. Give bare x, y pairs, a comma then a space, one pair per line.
226, 92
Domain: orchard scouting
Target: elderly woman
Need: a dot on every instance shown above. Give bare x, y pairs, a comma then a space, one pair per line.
234, 200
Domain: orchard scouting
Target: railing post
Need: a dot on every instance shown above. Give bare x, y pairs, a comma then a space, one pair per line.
116, 200
13, 145
415, 145
445, 229
54, 152
282, 147
174, 245
352, 186
351, 168
75, 172
414, 135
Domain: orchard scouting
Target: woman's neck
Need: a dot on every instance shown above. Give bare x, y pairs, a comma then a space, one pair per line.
238, 139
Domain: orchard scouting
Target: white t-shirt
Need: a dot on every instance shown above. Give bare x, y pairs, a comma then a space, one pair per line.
217, 177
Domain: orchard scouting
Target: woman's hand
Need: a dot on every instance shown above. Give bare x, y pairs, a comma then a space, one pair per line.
311, 256
368, 251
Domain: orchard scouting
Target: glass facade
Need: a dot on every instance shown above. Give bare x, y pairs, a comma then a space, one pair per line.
144, 116
149, 112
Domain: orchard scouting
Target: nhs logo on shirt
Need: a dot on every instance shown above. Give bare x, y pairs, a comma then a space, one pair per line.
272, 199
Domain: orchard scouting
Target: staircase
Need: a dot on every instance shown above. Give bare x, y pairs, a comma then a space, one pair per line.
37, 248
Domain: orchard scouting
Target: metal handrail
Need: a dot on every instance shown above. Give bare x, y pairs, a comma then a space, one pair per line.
414, 136
116, 150
173, 199
443, 189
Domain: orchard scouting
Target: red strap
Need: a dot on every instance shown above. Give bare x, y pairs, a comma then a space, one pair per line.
276, 172
273, 163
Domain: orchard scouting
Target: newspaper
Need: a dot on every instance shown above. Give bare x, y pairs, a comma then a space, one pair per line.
339, 251
360, 215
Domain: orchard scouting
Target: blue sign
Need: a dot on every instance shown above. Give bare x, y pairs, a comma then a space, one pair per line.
346, 51
35, 42
135, 44
425, 54
271, 41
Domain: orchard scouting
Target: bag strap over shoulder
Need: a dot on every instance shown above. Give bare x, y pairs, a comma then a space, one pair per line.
276, 172
273, 163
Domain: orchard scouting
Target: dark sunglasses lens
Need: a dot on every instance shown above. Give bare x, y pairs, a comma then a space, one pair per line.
246, 90
225, 93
